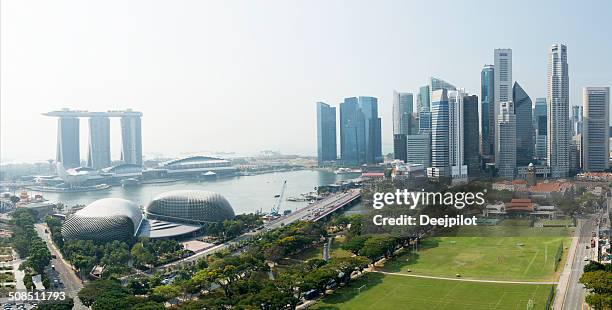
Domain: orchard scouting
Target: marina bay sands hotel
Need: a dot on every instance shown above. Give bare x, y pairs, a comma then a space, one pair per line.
98, 155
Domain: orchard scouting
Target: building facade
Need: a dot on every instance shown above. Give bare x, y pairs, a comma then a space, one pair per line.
131, 137
524, 125
418, 149
68, 148
505, 161
326, 133
352, 133
455, 135
595, 134
403, 121
471, 140
502, 80
99, 156
557, 97
539, 115
373, 134
487, 112
440, 161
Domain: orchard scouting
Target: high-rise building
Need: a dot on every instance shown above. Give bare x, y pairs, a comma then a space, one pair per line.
131, 138
373, 134
502, 80
595, 134
539, 115
403, 121
418, 149
455, 135
399, 147
576, 120
437, 84
326, 133
352, 132
557, 98
99, 155
470, 134
423, 99
68, 149
505, 161
487, 112
440, 162
524, 125
402, 112
425, 121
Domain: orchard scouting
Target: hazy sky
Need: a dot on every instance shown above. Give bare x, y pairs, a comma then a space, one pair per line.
244, 76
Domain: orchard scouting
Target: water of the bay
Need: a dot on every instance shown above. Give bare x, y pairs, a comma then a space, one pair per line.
246, 194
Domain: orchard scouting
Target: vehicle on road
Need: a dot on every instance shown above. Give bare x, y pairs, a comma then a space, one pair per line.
586, 258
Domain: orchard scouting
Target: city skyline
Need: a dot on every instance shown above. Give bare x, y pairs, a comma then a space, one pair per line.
159, 70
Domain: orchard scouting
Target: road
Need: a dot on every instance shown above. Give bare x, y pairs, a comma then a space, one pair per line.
71, 283
324, 206
574, 297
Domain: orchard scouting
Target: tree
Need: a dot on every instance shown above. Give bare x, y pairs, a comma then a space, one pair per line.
599, 301
355, 244
66, 304
167, 292
378, 246
141, 255
599, 282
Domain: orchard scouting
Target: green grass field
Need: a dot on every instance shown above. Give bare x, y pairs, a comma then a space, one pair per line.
491, 258
399, 292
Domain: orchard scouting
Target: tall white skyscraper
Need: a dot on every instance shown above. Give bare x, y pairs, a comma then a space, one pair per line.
456, 135
596, 124
502, 80
505, 145
557, 98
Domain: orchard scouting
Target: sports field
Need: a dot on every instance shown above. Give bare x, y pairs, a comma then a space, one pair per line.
399, 292
490, 258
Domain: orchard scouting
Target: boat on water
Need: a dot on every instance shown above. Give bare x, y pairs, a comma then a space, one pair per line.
347, 170
296, 199
130, 182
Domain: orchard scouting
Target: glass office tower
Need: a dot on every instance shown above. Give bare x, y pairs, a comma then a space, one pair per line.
326, 133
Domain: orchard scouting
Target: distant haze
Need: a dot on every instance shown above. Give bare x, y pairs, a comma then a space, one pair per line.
244, 76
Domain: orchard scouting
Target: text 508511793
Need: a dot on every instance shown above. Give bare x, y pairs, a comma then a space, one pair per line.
36, 296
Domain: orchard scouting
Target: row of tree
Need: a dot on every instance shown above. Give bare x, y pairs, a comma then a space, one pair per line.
597, 278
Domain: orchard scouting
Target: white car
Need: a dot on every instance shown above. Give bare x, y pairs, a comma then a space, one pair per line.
586, 259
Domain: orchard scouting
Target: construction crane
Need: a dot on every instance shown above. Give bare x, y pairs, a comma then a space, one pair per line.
276, 208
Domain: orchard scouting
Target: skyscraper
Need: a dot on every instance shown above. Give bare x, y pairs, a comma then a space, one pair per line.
418, 149
326, 133
423, 99
402, 122
99, 155
595, 134
505, 161
524, 125
68, 142
557, 98
373, 134
539, 113
502, 80
437, 84
402, 112
400, 147
352, 132
131, 138
487, 112
440, 164
470, 134
455, 135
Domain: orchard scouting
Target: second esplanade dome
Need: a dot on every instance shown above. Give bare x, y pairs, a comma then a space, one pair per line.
190, 206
